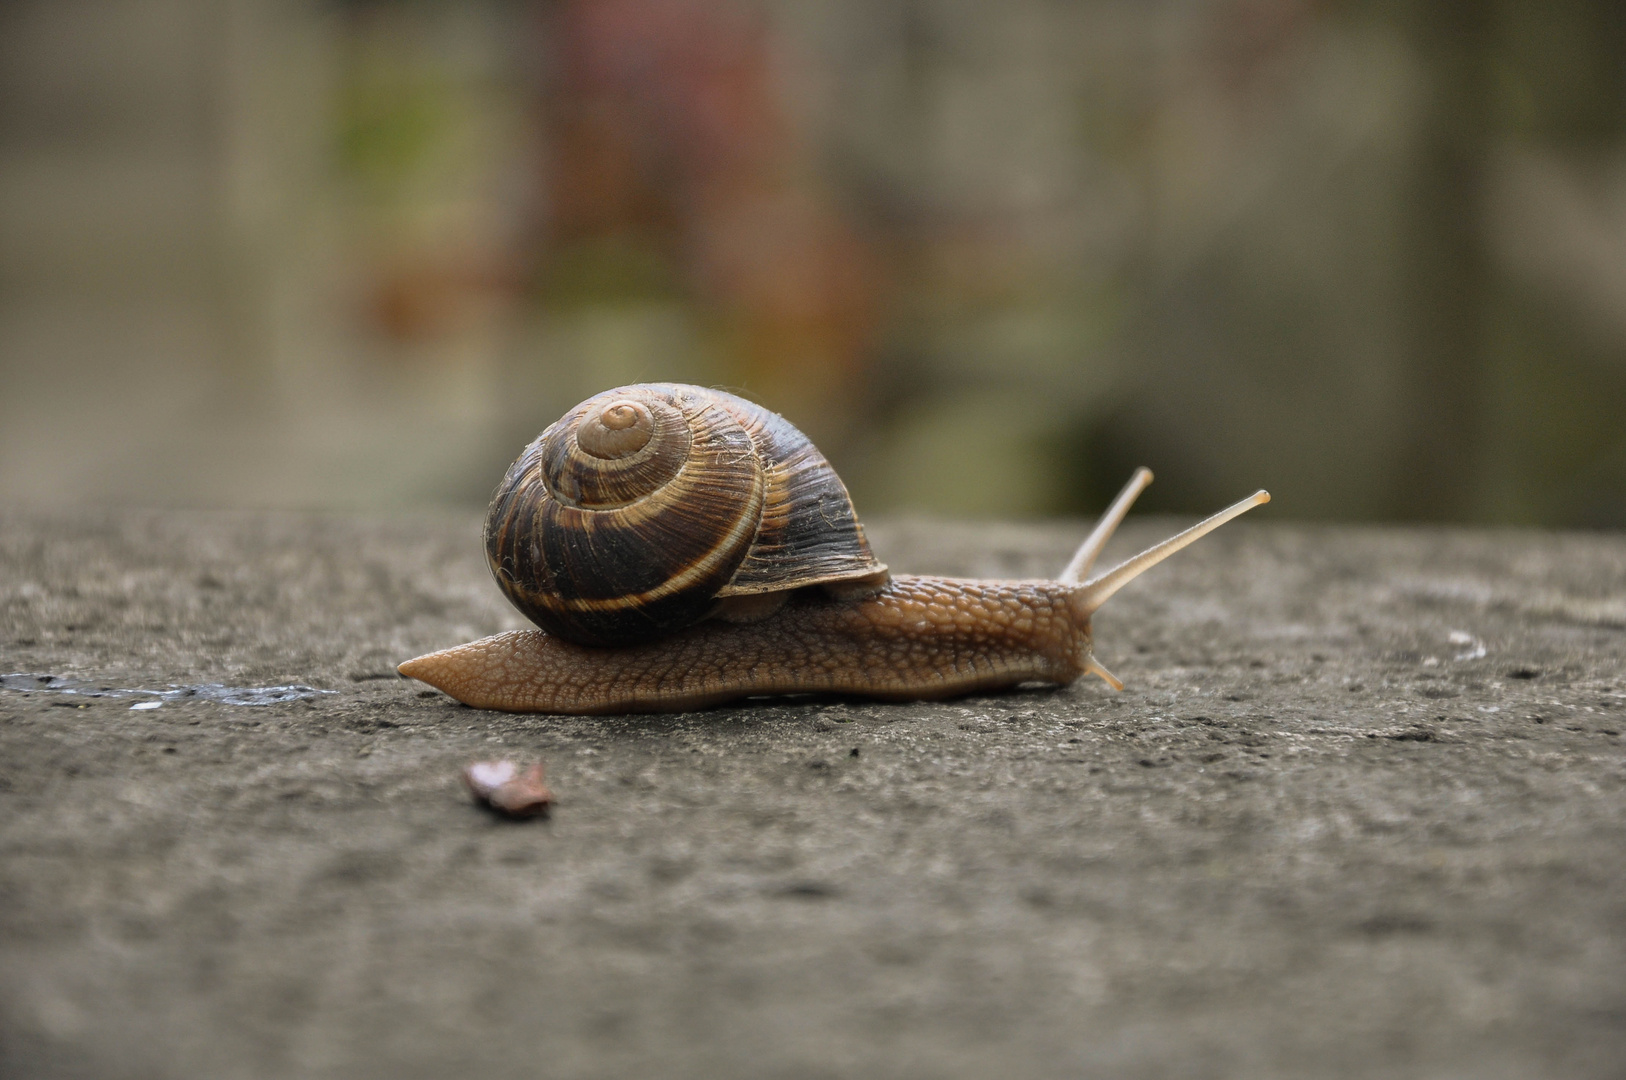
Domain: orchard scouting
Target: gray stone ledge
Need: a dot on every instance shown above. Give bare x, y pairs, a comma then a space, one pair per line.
1321, 833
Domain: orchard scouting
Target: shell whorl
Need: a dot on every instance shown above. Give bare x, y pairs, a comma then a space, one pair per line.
638, 510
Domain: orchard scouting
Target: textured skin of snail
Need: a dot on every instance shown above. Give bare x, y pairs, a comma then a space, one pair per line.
918, 638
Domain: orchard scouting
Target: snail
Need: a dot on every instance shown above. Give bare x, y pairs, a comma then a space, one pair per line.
681, 547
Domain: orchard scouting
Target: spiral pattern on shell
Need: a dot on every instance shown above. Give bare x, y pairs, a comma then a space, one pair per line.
630, 517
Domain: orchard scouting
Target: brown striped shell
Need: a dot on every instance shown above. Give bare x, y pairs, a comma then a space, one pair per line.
644, 506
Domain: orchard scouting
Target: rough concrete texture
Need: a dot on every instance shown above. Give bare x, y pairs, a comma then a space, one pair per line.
1317, 835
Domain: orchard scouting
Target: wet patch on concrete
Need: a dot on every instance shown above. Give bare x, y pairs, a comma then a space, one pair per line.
31, 683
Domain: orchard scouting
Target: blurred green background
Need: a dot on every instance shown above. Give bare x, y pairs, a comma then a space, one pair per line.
1371, 256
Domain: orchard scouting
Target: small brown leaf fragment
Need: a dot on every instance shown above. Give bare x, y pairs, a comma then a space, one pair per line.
501, 786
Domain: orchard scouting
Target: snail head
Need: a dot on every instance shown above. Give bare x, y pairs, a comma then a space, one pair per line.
1090, 593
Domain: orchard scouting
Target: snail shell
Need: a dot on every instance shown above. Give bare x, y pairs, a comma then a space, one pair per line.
644, 507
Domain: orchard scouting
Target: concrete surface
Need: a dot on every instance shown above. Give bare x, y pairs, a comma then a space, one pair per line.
1317, 835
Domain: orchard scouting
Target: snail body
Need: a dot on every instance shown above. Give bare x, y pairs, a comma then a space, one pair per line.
766, 583
919, 637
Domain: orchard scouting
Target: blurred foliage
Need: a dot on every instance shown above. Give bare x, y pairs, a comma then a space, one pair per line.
391, 122
1561, 71
620, 267
1370, 254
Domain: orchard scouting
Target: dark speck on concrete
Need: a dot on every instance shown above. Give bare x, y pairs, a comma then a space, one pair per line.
806, 890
